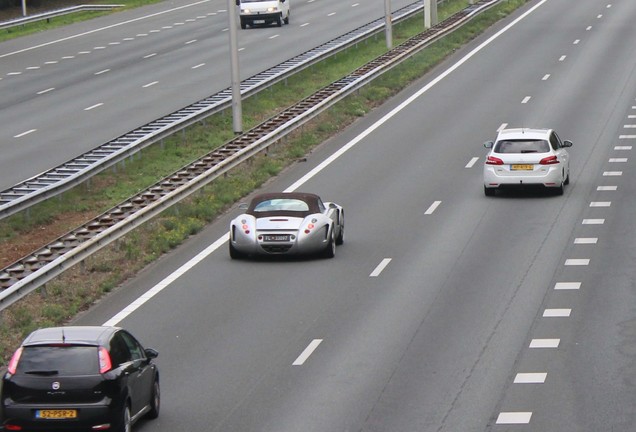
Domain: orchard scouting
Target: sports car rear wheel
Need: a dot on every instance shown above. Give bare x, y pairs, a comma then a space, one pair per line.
330, 250
340, 237
234, 253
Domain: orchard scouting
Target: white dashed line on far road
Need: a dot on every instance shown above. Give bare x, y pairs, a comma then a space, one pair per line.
376, 272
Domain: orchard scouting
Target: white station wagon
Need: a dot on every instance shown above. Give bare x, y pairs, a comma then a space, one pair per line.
526, 157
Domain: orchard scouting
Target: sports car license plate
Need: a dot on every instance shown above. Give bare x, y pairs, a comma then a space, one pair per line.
522, 167
56, 414
275, 237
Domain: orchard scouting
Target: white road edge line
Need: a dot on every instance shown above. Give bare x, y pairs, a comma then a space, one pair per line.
202, 255
380, 267
302, 358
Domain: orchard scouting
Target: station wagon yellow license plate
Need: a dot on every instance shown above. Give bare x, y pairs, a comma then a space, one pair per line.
521, 167
56, 414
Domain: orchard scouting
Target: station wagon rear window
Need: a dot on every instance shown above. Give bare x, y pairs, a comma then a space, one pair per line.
59, 360
522, 146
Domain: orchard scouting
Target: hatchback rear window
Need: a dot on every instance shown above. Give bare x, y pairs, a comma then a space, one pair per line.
522, 146
59, 360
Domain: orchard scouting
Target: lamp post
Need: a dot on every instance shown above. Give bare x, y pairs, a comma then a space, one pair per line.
430, 13
237, 114
388, 24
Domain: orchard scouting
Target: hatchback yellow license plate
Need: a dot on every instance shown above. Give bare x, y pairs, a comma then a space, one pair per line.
56, 414
521, 167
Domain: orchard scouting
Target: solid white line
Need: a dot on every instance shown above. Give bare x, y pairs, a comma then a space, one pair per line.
585, 240
172, 277
557, 313
166, 282
472, 162
593, 221
567, 285
514, 417
530, 378
600, 204
385, 262
432, 208
577, 262
544, 343
606, 188
308, 352
24, 133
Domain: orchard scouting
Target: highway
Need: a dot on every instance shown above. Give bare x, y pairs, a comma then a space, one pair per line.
444, 310
68, 90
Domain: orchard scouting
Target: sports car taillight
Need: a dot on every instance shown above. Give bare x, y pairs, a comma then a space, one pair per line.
104, 360
246, 228
491, 160
550, 160
309, 228
13, 364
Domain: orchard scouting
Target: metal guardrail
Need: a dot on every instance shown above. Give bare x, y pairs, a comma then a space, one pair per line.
72, 173
33, 271
55, 13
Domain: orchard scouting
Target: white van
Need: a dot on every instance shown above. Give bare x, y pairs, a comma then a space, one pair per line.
265, 12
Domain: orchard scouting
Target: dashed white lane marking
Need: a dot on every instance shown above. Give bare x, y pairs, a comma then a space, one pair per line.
302, 358
198, 66
472, 162
432, 208
588, 28
331, 14
545, 77
629, 126
567, 285
612, 173
273, 36
14, 73
150, 55
51, 62
518, 417
632, 116
576, 42
526, 99
114, 43
102, 71
626, 137
593, 221
600, 204
530, 378
304, 24
577, 262
92, 107
599, 16
376, 272
622, 147
502, 127
562, 58
617, 160
586, 240
41, 92
355, 5
606, 188
544, 343
557, 313
20, 135
33, 68
150, 84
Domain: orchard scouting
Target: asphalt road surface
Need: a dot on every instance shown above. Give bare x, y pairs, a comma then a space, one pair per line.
444, 310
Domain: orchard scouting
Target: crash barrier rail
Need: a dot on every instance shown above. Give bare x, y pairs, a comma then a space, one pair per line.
54, 13
78, 170
33, 271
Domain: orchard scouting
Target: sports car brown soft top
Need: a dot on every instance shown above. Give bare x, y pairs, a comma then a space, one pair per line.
295, 204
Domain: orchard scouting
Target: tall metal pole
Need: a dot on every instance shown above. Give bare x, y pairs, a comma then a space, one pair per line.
24, 10
237, 114
388, 24
430, 13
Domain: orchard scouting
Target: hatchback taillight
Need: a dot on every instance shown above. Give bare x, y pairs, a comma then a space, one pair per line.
104, 360
550, 160
13, 364
491, 160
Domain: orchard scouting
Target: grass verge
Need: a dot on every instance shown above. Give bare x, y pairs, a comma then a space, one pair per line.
77, 289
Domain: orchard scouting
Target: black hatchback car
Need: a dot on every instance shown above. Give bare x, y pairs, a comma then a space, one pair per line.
79, 378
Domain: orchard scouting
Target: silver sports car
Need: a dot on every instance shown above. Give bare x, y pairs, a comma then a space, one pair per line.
287, 223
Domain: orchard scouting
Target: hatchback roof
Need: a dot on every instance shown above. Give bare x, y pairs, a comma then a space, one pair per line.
80, 335
524, 133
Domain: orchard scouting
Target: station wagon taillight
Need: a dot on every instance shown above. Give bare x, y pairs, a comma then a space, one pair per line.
491, 160
550, 160
104, 360
13, 364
